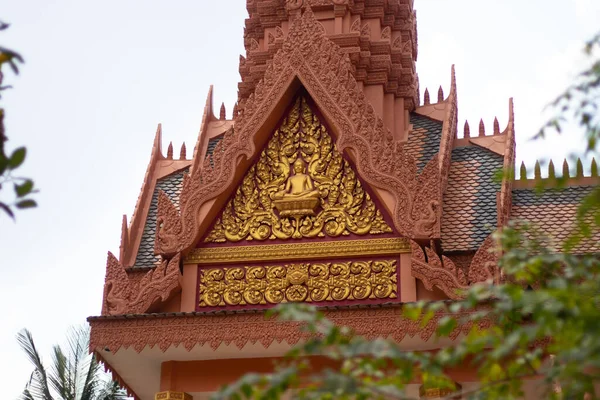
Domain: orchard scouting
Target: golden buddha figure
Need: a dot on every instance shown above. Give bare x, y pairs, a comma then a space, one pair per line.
298, 186
299, 197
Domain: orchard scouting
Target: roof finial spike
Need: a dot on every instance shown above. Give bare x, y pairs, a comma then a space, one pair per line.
426, 100
467, 130
579, 170
235, 110
222, 114
523, 171
170, 151
182, 152
537, 172
551, 172
481, 128
496, 126
594, 168
566, 174
440, 94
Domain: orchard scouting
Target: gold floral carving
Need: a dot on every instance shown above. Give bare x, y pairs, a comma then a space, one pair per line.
300, 187
314, 282
298, 251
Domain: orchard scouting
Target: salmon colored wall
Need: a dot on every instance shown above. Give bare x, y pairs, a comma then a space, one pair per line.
189, 289
210, 375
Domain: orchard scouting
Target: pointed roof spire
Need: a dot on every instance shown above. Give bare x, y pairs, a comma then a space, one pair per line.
579, 170
537, 172
481, 128
496, 126
426, 100
467, 130
182, 152
594, 168
223, 113
551, 172
170, 151
440, 94
566, 173
235, 110
523, 172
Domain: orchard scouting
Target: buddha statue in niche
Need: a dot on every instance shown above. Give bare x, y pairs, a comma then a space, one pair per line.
299, 197
298, 186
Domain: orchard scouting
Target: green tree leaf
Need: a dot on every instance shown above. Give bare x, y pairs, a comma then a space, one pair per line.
17, 158
24, 189
26, 204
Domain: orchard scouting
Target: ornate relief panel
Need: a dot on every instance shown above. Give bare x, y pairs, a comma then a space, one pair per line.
318, 282
300, 187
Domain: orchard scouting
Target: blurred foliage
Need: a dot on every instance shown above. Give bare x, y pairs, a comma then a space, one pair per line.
73, 375
541, 322
11, 161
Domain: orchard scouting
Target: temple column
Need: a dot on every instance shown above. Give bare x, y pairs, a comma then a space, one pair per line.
169, 395
438, 393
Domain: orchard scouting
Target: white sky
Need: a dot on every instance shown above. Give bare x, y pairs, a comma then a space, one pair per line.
99, 76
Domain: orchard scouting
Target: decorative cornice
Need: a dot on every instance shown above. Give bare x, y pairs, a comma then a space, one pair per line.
139, 332
298, 251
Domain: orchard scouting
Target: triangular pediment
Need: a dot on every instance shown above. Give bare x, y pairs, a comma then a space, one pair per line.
299, 187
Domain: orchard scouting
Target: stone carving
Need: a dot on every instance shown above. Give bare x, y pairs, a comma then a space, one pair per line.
126, 295
314, 282
433, 271
325, 199
293, 4
386, 33
444, 274
324, 70
279, 32
164, 331
253, 45
397, 44
484, 267
299, 251
355, 27
365, 30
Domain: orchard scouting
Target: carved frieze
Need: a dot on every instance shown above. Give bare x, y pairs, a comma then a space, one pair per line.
300, 187
298, 282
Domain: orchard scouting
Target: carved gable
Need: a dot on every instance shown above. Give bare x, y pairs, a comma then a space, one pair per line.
300, 187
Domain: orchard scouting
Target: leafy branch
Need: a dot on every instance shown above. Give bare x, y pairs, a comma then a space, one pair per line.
23, 187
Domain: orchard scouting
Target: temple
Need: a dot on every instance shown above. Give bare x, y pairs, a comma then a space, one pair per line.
332, 183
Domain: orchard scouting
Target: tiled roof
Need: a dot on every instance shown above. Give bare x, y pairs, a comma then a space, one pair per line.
171, 185
553, 212
424, 139
212, 143
469, 213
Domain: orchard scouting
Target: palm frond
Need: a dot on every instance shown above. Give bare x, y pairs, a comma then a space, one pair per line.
38, 383
59, 374
111, 391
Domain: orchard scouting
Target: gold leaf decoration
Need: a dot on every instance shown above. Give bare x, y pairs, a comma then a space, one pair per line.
300, 187
308, 282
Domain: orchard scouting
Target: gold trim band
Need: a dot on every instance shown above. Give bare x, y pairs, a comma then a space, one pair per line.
298, 251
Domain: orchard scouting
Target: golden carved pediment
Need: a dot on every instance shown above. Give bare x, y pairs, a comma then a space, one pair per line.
300, 187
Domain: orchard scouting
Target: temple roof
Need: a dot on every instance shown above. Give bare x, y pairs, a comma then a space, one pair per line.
171, 185
424, 138
469, 213
554, 213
